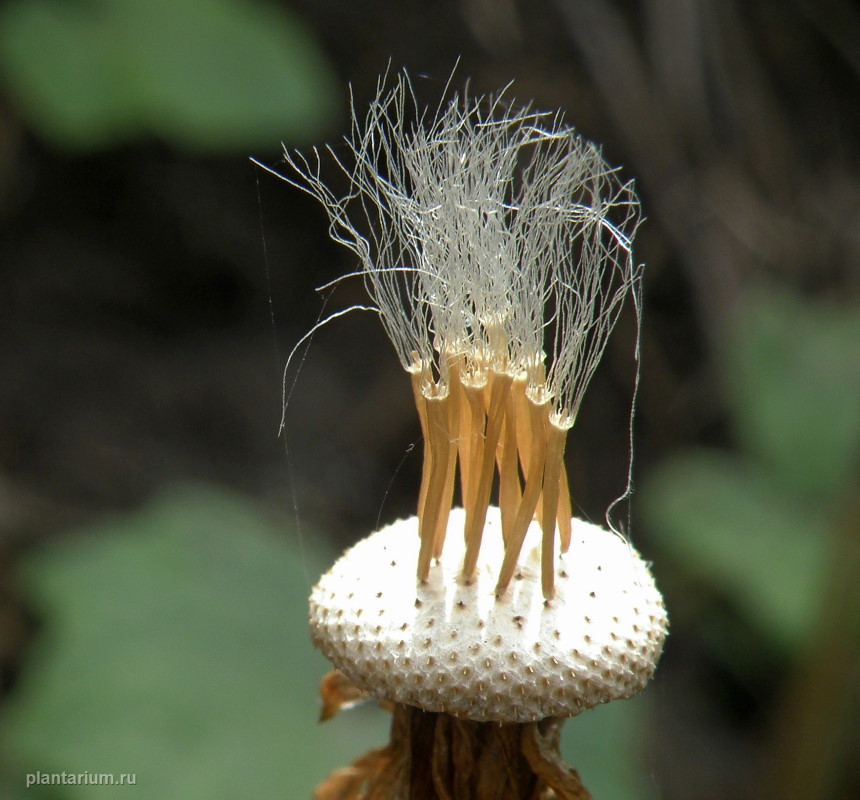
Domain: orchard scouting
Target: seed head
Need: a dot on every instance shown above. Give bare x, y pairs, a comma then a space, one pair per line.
451, 646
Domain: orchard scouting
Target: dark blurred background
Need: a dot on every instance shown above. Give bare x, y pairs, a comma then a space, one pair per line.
153, 281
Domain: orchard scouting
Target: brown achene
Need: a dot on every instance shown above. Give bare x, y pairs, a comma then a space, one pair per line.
486, 422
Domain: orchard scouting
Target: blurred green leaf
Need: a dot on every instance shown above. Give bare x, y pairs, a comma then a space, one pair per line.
208, 75
606, 745
175, 647
727, 522
756, 525
794, 381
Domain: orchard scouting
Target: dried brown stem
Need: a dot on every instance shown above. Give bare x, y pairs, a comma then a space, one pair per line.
437, 757
540, 742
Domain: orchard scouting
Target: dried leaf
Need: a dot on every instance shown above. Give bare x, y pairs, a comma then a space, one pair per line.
347, 783
338, 693
542, 754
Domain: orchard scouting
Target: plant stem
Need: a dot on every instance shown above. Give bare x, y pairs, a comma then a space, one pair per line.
439, 757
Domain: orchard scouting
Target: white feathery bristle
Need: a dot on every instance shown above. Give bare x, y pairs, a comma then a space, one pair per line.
490, 232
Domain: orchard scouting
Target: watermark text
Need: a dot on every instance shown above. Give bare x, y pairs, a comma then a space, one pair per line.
85, 778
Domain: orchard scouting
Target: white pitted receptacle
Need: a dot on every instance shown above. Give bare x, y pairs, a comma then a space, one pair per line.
454, 646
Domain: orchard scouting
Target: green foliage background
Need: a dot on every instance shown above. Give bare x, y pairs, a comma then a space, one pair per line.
203, 75
175, 647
